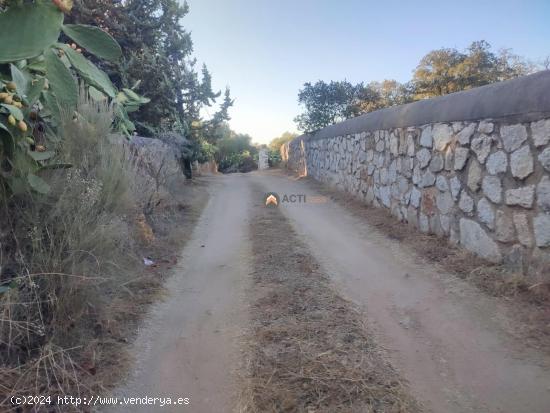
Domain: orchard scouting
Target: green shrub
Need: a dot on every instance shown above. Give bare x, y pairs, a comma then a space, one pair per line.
73, 253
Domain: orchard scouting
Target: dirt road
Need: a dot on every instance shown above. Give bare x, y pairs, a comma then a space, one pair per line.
450, 342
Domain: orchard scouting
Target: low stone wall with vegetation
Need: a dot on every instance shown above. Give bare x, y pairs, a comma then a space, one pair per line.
472, 166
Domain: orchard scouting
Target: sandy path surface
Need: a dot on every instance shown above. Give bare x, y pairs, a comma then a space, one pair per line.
448, 340
189, 345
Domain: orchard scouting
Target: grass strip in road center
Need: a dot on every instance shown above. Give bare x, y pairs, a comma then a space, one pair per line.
308, 348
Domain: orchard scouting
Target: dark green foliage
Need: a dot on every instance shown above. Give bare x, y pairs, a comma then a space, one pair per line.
157, 57
438, 73
448, 70
235, 152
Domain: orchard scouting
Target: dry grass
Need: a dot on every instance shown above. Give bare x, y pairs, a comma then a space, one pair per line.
74, 261
309, 348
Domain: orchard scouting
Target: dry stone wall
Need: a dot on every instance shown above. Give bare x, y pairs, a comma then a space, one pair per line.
484, 184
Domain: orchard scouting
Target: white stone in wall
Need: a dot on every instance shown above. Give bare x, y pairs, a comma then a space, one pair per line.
445, 223
455, 187
380, 161
370, 169
486, 213
497, 163
504, 227
492, 188
385, 196
442, 135
441, 183
481, 147
449, 157
392, 171
541, 132
521, 162
521, 196
541, 225
465, 134
370, 155
428, 179
423, 156
474, 175
384, 176
394, 144
544, 159
461, 156
426, 139
415, 197
380, 145
485, 127
513, 136
410, 145
521, 222
543, 193
403, 185
437, 163
457, 126
466, 203
444, 202
475, 239
423, 223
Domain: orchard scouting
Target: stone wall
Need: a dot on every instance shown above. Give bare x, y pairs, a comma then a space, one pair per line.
480, 177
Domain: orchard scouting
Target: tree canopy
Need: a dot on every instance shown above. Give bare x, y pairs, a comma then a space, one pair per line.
158, 62
439, 72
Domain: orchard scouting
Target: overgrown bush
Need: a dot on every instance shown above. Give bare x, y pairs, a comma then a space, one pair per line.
65, 256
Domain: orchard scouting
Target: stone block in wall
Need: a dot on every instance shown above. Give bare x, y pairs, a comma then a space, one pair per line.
541, 226
543, 194
485, 127
504, 227
486, 213
497, 162
461, 156
426, 139
513, 136
465, 134
544, 159
541, 132
481, 146
474, 238
442, 135
522, 196
523, 229
474, 175
492, 188
521, 162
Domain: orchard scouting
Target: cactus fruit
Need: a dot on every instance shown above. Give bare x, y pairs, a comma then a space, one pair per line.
3, 95
40, 148
18, 105
11, 86
22, 126
8, 100
11, 120
64, 5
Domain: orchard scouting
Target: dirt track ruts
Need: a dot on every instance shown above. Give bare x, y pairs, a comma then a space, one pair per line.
447, 339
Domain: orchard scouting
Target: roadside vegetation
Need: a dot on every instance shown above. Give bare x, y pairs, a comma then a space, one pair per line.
92, 215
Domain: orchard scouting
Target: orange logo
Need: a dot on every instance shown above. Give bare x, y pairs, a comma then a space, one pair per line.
271, 199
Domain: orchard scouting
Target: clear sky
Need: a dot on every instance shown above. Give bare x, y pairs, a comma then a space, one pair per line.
266, 49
